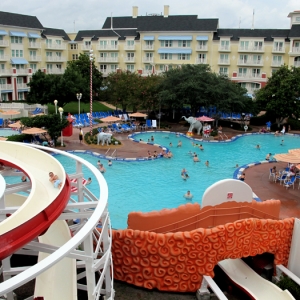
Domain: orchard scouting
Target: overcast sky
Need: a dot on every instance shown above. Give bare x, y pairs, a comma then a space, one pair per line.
90, 14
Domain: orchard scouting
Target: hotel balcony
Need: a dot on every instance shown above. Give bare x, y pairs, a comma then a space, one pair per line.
108, 47
55, 58
107, 59
4, 57
147, 59
4, 43
86, 47
35, 58
55, 46
21, 71
22, 86
297, 64
5, 72
201, 60
130, 59
55, 71
148, 47
129, 47
224, 48
295, 51
6, 87
278, 50
201, 48
224, 62
248, 75
34, 45
250, 62
257, 49
277, 64
147, 72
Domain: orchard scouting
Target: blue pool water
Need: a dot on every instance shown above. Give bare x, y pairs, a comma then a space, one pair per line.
8, 132
157, 184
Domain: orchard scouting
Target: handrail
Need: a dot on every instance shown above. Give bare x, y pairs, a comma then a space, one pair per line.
66, 249
214, 209
211, 283
107, 151
112, 155
290, 274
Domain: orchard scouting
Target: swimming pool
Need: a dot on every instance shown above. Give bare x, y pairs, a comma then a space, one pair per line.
157, 184
8, 132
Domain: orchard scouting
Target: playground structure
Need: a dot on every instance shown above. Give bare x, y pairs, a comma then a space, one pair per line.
36, 223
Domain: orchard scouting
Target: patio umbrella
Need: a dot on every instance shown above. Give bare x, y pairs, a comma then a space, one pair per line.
10, 113
205, 119
288, 157
110, 119
34, 130
138, 115
15, 125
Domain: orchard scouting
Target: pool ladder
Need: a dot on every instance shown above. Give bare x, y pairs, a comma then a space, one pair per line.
112, 155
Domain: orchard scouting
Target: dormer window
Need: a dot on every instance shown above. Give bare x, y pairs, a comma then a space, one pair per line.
298, 19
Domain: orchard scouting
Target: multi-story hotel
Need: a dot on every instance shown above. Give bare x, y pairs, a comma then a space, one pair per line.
145, 44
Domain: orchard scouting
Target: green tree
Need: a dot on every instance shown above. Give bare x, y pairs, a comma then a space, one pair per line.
280, 96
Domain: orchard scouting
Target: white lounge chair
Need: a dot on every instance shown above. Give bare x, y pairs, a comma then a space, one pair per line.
154, 124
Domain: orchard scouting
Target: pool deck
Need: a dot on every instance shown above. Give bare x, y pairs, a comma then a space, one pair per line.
257, 177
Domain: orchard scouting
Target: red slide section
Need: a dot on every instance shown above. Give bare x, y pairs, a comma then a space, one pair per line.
21, 235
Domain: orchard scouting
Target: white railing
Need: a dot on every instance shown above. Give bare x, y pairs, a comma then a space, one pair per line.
296, 63
55, 46
4, 57
295, 50
249, 75
129, 47
107, 59
86, 47
56, 58
252, 49
147, 71
277, 63
224, 61
224, 48
90, 210
6, 86
250, 62
107, 47
201, 60
4, 43
148, 47
34, 45
22, 86
55, 71
201, 48
5, 71
35, 58
22, 71
130, 59
147, 59
278, 49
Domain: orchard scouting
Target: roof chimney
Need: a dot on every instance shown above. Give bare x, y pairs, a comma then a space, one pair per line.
166, 11
135, 11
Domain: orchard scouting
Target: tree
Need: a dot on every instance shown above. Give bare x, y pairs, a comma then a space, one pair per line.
280, 97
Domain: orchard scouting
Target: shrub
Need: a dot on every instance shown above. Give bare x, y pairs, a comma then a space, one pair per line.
286, 283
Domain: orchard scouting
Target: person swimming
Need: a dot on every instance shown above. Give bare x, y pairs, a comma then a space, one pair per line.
188, 195
109, 163
184, 174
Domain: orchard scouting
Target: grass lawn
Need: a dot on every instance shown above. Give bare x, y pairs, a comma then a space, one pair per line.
72, 107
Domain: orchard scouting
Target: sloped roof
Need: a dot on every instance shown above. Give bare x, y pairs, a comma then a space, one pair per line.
295, 31
121, 34
236, 34
55, 32
11, 19
160, 23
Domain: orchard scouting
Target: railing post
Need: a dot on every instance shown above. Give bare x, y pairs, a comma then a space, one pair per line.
203, 293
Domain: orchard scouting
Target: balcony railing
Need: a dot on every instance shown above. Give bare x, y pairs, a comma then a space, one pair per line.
295, 50
277, 63
148, 59
296, 63
35, 58
201, 48
55, 46
4, 57
148, 47
147, 71
22, 86
107, 59
86, 47
278, 49
6, 86
55, 71
248, 75
224, 48
56, 58
224, 61
5, 71
34, 45
130, 59
201, 60
22, 71
107, 47
250, 62
251, 49
4, 43
130, 47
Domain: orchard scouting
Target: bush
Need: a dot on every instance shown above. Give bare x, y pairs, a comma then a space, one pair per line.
19, 138
286, 283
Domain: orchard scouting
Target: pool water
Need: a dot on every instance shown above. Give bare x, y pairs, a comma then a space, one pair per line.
157, 184
8, 132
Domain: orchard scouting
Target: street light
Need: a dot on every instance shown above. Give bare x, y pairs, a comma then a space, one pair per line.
55, 103
79, 98
61, 110
91, 91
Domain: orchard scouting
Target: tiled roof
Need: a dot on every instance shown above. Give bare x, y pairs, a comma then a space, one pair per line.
11, 19
295, 31
96, 34
55, 32
160, 23
267, 34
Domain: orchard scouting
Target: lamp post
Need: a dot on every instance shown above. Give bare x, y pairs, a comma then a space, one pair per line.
55, 103
91, 91
61, 110
79, 95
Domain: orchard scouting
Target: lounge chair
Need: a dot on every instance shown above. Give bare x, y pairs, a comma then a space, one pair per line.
116, 128
290, 182
148, 123
281, 177
154, 124
1, 122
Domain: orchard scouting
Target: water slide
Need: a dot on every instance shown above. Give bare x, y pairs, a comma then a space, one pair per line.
44, 203
253, 284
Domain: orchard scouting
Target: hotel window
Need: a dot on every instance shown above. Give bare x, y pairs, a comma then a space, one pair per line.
103, 54
1, 53
49, 66
33, 67
223, 71
202, 44
32, 53
257, 59
58, 54
243, 59
277, 60
130, 56
183, 56
1, 38
2, 66
49, 43
49, 54
255, 72
114, 44
166, 56
224, 58
87, 43
16, 39
242, 72
149, 43
21, 96
184, 44
130, 43
3, 97
103, 68
74, 56
148, 67
103, 44
32, 40
17, 53
244, 45
19, 79
258, 45
278, 46
74, 46
297, 19
2, 80
224, 45
58, 66
114, 55
166, 43
296, 44
113, 68
18, 67
130, 68
202, 56
58, 42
